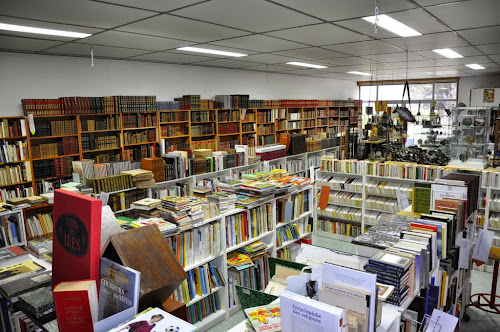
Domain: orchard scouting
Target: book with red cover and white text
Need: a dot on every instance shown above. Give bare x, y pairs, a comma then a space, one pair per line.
77, 237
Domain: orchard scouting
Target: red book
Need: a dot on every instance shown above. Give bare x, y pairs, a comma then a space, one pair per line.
424, 226
77, 237
76, 305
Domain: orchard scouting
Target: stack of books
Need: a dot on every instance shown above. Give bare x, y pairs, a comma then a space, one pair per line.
239, 261
165, 227
142, 178
148, 207
253, 193
254, 250
393, 270
175, 209
16, 203
225, 201
196, 209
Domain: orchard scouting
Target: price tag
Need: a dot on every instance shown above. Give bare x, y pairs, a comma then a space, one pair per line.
104, 198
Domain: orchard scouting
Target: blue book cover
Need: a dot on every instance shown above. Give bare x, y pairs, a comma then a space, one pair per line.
118, 295
202, 277
192, 284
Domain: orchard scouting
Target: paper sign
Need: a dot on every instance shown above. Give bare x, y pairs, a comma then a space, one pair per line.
463, 260
442, 322
265, 165
403, 201
483, 246
312, 170
104, 198
243, 113
323, 197
31, 122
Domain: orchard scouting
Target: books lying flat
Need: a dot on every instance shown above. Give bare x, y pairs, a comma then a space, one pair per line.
12, 255
19, 270
265, 318
23, 285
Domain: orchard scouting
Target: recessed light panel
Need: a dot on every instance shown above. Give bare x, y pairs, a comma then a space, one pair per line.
308, 65
42, 31
474, 66
392, 25
209, 51
449, 53
359, 73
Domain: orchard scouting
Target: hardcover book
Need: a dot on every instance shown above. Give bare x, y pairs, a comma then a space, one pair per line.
76, 305
155, 319
77, 235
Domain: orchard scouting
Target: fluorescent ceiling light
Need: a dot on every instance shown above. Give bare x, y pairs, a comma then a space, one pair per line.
41, 31
209, 51
359, 73
303, 64
393, 26
474, 66
449, 53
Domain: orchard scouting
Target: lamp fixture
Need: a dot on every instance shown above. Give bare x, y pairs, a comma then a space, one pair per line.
42, 31
359, 73
209, 51
308, 65
474, 66
392, 25
449, 53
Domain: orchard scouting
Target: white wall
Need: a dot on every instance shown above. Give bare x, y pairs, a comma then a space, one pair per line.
42, 76
475, 82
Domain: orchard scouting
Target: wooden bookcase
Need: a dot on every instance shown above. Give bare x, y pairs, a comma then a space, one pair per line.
140, 137
249, 127
100, 137
266, 126
228, 128
174, 127
15, 156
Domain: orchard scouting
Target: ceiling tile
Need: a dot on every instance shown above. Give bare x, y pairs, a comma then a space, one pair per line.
482, 35
348, 61
465, 51
417, 19
308, 71
468, 14
181, 28
99, 51
495, 57
428, 42
267, 58
425, 3
156, 5
416, 64
364, 48
312, 53
333, 10
273, 68
172, 57
12, 43
319, 34
226, 63
487, 65
482, 72
130, 40
394, 57
490, 48
464, 60
428, 69
76, 12
255, 15
45, 25
259, 43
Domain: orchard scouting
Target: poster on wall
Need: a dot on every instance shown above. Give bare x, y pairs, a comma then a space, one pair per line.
488, 95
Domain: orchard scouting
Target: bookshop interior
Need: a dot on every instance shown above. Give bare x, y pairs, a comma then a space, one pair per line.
249, 165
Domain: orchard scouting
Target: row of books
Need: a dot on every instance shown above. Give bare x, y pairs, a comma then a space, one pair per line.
204, 129
255, 277
136, 153
193, 246
139, 120
15, 174
204, 144
201, 281
15, 191
11, 152
266, 116
341, 212
494, 220
111, 122
345, 198
12, 128
39, 225
114, 104
495, 203
228, 128
144, 136
123, 200
265, 129
388, 188
54, 128
174, 130
338, 227
228, 115
287, 233
247, 225
288, 253
203, 308
92, 142
230, 144
87, 168
65, 146
354, 185
386, 204
203, 116
110, 183
292, 207
10, 230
